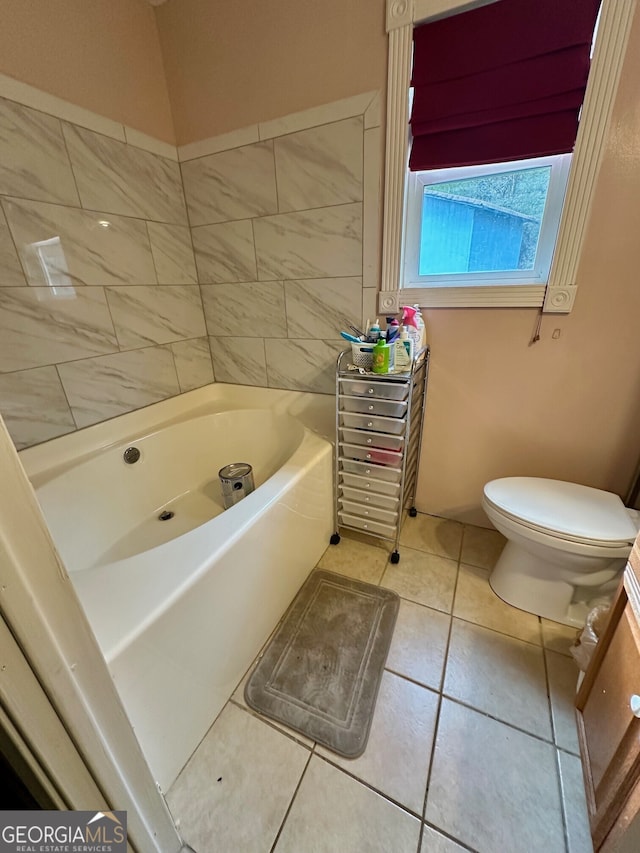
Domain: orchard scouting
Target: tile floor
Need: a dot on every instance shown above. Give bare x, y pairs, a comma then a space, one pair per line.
472, 747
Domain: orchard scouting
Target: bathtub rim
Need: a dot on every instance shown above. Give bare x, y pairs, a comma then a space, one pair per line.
51, 458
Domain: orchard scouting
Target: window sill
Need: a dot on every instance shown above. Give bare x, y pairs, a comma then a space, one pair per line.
479, 296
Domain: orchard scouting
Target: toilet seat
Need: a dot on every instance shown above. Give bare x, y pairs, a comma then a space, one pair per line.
565, 511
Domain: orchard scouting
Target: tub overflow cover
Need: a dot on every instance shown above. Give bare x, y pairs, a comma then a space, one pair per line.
131, 455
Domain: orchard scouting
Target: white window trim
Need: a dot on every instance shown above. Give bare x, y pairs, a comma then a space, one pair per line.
559, 295
548, 233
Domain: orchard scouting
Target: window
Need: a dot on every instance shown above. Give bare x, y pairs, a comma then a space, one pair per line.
483, 225
614, 27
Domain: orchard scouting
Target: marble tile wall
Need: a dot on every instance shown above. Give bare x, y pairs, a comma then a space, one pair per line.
124, 274
286, 240
100, 309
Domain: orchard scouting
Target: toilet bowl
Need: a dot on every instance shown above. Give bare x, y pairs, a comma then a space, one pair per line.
566, 545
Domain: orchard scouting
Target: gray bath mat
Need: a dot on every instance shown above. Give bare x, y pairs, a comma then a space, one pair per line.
321, 671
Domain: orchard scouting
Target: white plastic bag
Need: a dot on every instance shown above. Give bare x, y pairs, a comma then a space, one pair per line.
583, 648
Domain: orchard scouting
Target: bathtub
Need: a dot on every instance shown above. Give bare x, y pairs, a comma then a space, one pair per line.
181, 607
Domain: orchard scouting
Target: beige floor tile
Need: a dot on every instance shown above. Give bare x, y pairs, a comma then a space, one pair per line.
493, 787
333, 813
575, 804
481, 547
499, 675
234, 792
439, 536
424, 578
558, 637
563, 678
396, 760
434, 842
419, 643
356, 559
477, 602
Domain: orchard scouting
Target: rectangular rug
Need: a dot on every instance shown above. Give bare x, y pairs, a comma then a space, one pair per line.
321, 671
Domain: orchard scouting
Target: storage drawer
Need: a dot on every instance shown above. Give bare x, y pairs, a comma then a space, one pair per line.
372, 439
366, 524
372, 454
384, 408
369, 484
366, 469
392, 426
367, 511
373, 388
370, 499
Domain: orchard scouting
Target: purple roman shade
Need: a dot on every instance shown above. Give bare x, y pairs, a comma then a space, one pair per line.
502, 82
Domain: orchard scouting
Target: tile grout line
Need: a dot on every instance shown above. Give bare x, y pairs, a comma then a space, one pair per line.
71, 169
563, 811
563, 816
440, 697
284, 213
498, 720
290, 806
64, 391
369, 786
11, 197
195, 266
289, 733
153, 260
5, 219
267, 138
449, 837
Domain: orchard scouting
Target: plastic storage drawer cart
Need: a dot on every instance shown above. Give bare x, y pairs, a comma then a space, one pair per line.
378, 435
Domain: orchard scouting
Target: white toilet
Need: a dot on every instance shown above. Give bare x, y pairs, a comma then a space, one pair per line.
567, 545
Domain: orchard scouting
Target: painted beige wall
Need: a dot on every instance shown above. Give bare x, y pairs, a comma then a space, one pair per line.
233, 64
566, 408
103, 55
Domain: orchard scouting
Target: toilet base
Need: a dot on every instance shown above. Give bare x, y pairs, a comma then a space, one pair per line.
516, 579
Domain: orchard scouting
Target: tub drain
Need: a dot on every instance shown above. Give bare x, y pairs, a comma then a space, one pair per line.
166, 515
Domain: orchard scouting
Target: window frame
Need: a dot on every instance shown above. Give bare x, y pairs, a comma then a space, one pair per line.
616, 18
416, 181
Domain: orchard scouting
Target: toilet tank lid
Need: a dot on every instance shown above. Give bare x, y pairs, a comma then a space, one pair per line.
564, 508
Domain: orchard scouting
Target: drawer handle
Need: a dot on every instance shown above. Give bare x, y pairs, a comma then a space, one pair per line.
370, 424
368, 456
367, 486
371, 407
368, 471
634, 704
366, 526
369, 440
371, 390
366, 512
367, 498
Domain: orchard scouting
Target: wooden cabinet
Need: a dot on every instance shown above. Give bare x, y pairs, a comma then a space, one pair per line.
608, 730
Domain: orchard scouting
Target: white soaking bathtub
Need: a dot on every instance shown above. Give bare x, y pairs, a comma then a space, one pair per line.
181, 607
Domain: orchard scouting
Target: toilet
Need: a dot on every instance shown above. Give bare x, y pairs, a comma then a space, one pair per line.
566, 545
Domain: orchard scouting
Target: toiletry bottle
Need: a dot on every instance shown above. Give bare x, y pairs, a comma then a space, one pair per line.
421, 328
393, 329
401, 360
407, 342
380, 358
373, 333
